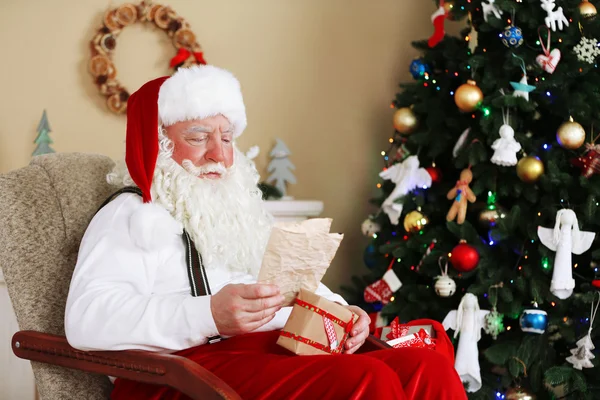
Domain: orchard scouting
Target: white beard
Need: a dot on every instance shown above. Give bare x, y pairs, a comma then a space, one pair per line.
225, 217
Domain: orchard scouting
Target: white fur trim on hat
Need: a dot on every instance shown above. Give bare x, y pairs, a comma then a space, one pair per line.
199, 92
151, 225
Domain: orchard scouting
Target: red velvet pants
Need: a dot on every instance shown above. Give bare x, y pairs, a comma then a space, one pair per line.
257, 368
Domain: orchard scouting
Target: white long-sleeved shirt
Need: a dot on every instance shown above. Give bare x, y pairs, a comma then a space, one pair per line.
130, 288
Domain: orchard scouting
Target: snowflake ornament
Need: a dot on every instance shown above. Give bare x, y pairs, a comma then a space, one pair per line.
587, 50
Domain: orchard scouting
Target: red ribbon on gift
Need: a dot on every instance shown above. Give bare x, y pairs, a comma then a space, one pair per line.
183, 55
420, 339
397, 330
328, 320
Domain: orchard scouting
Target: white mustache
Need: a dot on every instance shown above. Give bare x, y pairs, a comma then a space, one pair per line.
203, 169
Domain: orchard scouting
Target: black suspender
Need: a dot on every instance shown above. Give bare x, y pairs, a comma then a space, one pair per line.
195, 266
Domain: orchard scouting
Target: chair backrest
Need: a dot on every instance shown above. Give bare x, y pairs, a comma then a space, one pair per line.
44, 211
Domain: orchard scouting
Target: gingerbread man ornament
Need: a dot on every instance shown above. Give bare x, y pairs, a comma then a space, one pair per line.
461, 193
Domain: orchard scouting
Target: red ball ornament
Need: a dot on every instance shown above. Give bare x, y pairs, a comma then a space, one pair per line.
596, 283
464, 257
435, 173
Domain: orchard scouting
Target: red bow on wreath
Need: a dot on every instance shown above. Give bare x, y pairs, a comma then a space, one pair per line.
183, 55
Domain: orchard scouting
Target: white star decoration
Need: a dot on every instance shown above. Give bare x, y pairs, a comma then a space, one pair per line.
587, 50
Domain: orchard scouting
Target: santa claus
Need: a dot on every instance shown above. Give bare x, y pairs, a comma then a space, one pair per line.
139, 285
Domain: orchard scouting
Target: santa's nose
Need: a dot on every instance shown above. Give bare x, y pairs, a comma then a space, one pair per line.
214, 151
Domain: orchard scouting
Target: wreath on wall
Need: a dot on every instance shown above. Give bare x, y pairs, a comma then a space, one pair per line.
104, 43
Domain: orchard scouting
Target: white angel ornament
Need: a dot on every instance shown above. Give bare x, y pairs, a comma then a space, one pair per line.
468, 320
506, 147
407, 176
565, 238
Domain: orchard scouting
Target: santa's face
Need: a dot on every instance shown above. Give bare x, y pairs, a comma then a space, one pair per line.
204, 147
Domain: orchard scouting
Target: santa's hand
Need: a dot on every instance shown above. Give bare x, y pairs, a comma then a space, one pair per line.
360, 330
239, 309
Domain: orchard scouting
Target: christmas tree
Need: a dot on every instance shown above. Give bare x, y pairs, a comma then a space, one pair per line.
491, 174
43, 140
281, 167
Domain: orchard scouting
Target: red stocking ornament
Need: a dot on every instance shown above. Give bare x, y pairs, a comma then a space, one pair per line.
438, 18
383, 289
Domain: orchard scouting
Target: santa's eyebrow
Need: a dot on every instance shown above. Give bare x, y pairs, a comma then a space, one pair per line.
198, 129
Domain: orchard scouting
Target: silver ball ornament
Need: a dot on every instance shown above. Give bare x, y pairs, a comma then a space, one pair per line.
445, 286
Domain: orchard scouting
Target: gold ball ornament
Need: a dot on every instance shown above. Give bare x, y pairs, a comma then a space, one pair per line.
530, 169
468, 96
448, 6
489, 217
587, 9
405, 120
518, 393
414, 221
570, 135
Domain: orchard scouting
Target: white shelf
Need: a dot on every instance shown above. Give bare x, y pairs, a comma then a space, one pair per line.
294, 210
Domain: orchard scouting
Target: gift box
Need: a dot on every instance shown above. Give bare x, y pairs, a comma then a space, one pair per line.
420, 339
386, 332
316, 326
399, 335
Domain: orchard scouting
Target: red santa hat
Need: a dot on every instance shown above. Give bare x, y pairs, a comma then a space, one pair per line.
198, 92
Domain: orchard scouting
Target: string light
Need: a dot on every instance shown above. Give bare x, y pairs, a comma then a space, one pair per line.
374, 236
391, 140
508, 328
539, 214
383, 153
486, 111
545, 263
546, 146
553, 304
379, 186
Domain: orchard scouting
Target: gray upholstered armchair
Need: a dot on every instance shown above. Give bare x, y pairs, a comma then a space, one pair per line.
44, 211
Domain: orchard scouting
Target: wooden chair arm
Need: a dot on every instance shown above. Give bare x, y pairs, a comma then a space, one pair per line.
374, 344
160, 369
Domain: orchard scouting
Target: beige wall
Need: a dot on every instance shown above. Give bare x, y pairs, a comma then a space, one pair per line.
318, 74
